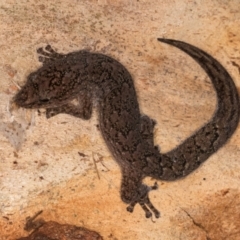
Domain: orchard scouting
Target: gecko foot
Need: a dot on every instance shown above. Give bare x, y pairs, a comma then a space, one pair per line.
146, 204
48, 54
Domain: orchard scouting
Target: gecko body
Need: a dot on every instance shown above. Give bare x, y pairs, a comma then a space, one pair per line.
96, 78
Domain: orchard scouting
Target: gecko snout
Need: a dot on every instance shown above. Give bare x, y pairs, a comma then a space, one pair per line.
24, 98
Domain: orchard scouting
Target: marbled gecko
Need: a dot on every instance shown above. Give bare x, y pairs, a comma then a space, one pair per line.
88, 77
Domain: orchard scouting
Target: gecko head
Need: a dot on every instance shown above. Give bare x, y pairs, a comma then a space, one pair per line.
40, 91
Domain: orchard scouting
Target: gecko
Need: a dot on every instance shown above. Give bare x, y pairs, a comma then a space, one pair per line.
75, 82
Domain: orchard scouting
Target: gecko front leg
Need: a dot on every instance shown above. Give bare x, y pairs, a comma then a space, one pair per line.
133, 192
81, 109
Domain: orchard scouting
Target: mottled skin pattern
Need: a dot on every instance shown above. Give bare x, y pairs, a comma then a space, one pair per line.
96, 78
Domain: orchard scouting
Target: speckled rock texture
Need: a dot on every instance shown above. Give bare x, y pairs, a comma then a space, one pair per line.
62, 165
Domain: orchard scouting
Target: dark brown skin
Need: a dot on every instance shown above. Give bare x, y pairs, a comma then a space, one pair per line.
88, 77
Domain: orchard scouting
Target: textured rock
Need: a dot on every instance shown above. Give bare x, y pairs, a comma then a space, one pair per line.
48, 173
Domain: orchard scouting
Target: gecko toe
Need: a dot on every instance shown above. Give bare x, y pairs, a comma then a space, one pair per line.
148, 214
49, 49
130, 208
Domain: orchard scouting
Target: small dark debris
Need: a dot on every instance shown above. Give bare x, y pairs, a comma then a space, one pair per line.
82, 154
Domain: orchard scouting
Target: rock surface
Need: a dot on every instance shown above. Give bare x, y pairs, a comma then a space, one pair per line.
62, 165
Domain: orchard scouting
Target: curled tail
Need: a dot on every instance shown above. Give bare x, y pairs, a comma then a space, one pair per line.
196, 149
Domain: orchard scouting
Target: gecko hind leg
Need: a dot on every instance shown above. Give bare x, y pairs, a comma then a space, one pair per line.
133, 192
146, 204
147, 128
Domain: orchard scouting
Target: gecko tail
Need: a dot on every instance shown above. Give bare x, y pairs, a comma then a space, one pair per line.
187, 156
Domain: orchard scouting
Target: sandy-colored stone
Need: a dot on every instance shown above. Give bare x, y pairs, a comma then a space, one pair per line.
48, 173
